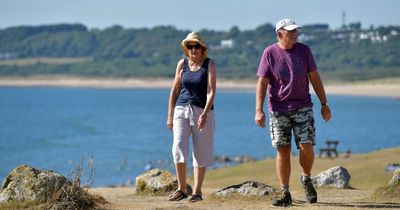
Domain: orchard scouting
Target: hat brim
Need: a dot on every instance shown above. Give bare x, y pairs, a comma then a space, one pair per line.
291, 27
185, 41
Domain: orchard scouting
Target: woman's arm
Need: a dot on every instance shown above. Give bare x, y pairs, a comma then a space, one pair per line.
211, 91
175, 89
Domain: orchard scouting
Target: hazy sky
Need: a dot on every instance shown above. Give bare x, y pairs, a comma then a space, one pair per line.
196, 15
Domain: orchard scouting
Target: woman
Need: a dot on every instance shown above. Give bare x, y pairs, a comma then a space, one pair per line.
190, 113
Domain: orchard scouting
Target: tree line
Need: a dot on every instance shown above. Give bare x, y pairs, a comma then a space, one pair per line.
348, 53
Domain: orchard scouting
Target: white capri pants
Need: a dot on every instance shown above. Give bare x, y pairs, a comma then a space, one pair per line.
184, 125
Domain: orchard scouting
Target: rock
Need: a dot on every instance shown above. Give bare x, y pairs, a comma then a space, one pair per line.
157, 181
25, 183
395, 179
336, 177
247, 188
243, 159
223, 159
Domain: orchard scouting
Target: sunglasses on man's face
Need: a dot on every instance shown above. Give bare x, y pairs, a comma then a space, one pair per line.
196, 46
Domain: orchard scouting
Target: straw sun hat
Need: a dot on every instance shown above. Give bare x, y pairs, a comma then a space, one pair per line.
194, 37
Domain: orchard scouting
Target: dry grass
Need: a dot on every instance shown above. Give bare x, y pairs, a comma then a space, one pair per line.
387, 193
367, 175
368, 181
72, 195
366, 170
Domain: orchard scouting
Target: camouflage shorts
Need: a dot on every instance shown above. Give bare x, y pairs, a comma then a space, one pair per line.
300, 121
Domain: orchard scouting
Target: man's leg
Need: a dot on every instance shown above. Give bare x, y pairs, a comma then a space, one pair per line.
283, 167
280, 130
306, 158
304, 132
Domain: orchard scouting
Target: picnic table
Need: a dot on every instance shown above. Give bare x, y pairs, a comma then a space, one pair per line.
330, 149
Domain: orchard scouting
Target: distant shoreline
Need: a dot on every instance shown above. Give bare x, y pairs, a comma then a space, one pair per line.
361, 89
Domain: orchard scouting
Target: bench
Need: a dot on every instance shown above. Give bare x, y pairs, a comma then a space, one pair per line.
330, 149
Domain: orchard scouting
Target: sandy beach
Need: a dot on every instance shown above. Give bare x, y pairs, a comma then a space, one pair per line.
389, 88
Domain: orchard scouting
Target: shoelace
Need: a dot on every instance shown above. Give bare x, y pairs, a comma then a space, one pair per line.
308, 185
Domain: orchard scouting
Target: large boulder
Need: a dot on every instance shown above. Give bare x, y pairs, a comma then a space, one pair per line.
248, 188
336, 177
157, 181
25, 183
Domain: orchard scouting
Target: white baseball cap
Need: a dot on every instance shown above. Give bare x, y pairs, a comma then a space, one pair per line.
287, 24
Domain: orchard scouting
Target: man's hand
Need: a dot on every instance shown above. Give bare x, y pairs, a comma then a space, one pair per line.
260, 118
326, 113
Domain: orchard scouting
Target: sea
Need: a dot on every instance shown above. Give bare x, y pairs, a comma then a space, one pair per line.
113, 135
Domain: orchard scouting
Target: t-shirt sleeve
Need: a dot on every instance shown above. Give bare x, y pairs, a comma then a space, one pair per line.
263, 67
312, 66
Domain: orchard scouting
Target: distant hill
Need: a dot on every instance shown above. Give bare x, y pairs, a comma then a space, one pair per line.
351, 53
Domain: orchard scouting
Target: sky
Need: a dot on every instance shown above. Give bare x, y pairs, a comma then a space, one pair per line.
197, 15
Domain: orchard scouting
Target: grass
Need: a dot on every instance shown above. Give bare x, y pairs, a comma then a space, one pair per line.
72, 195
44, 60
387, 193
386, 81
366, 170
369, 182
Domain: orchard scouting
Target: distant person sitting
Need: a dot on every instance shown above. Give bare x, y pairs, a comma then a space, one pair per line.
347, 154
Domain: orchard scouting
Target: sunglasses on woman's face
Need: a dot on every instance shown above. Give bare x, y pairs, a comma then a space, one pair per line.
196, 46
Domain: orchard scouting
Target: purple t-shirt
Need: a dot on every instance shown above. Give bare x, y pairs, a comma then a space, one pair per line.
288, 79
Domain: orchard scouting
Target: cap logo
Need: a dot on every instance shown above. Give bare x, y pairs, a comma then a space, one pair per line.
287, 24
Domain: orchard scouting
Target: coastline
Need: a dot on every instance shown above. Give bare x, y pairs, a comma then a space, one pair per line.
376, 88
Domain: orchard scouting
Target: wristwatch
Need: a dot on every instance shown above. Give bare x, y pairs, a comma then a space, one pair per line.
324, 104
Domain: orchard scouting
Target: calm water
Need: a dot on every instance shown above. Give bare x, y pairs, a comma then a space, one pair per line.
124, 129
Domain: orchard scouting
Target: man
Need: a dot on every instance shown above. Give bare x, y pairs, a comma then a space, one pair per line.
286, 68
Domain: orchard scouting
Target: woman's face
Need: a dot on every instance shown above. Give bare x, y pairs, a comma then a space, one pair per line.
194, 50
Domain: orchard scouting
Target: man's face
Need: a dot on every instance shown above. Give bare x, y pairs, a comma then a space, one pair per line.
289, 37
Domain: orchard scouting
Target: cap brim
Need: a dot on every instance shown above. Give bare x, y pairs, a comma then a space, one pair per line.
291, 27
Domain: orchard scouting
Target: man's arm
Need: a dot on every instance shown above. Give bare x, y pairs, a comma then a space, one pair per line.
262, 84
316, 82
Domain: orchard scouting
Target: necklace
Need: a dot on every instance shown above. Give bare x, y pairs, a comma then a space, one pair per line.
195, 65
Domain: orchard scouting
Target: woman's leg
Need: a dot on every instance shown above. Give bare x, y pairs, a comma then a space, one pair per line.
180, 146
199, 174
181, 176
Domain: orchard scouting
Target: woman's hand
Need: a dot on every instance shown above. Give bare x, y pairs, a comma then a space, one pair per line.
170, 123
201, 122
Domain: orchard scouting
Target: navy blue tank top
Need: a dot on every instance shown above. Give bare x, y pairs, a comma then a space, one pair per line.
194, 85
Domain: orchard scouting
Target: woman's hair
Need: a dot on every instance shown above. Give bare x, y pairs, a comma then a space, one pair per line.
194, 37
204, 51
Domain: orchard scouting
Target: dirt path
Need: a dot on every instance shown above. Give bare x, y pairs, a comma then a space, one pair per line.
125, 198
